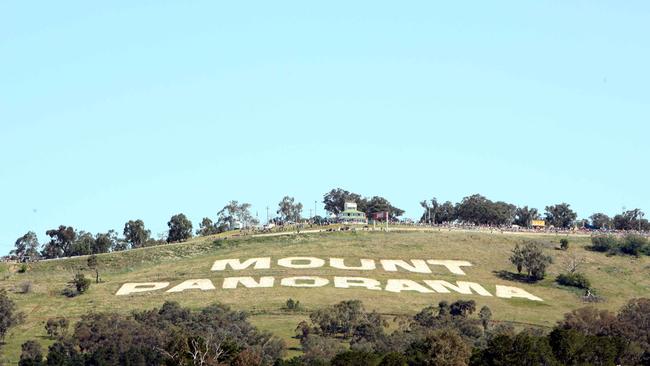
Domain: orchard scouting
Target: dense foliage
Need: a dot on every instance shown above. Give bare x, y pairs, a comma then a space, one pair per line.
631, 244
171, 335
448, 334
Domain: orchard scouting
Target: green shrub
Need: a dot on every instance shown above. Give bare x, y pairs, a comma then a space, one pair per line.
81, 283
573, 279
292, 305
604, 243
23, 268
633, 244
564, 243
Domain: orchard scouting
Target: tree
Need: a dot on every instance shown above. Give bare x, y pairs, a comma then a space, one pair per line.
355, 358
479, 210
60, 242
93, 264
393, 359
335, 199
380, 204
289, 210
207, 227
517, 258
462, 308
485, 315
9, 316
531, 256
634, 319
560, 215
446, 213
233, 213
26, 247
105, 242
180, 228
135, 233
600, 221
57, 327
31, 355
591, 321
443, 347
631, 220
430, 212
524, 216
83, 244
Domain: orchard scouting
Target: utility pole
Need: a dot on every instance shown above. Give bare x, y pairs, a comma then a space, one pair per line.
267, 215
315, 212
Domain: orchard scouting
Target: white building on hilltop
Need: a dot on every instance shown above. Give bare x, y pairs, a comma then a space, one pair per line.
350, 214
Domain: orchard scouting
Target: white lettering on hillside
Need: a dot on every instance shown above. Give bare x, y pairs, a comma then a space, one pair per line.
248, 282
418, 266
508, 292
452, 265
258, 263
347, 282
304, 281
423, 286
461, 287
406, 285
311, 262
200, 284
131, 288
366, 264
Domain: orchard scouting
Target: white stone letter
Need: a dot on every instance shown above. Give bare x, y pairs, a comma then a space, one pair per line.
461, 287
131, 288
508, 292
419, 266
406, 285
236, 264
347, 282
304, 281
311, 262
248, 282
366, 264
452, 266
202, 284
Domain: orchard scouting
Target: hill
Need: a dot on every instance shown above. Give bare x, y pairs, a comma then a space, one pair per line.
615, 278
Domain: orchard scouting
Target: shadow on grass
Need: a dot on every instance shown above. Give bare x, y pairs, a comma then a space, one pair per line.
516, 277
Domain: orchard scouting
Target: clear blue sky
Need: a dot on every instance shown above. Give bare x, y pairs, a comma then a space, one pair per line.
111, 111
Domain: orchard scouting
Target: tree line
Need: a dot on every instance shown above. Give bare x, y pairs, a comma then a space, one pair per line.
479, 210
66, 241
459, 334
344, 334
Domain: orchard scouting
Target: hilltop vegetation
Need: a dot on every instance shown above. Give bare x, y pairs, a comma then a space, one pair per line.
616, 279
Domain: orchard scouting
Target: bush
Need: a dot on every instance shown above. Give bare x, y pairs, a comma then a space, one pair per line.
57, 327
23, 268
574, 280
81, 283
292, 305
633, 244
31, 355
604, 243
564, 243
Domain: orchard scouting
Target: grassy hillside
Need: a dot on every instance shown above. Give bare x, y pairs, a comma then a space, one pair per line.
616, 278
